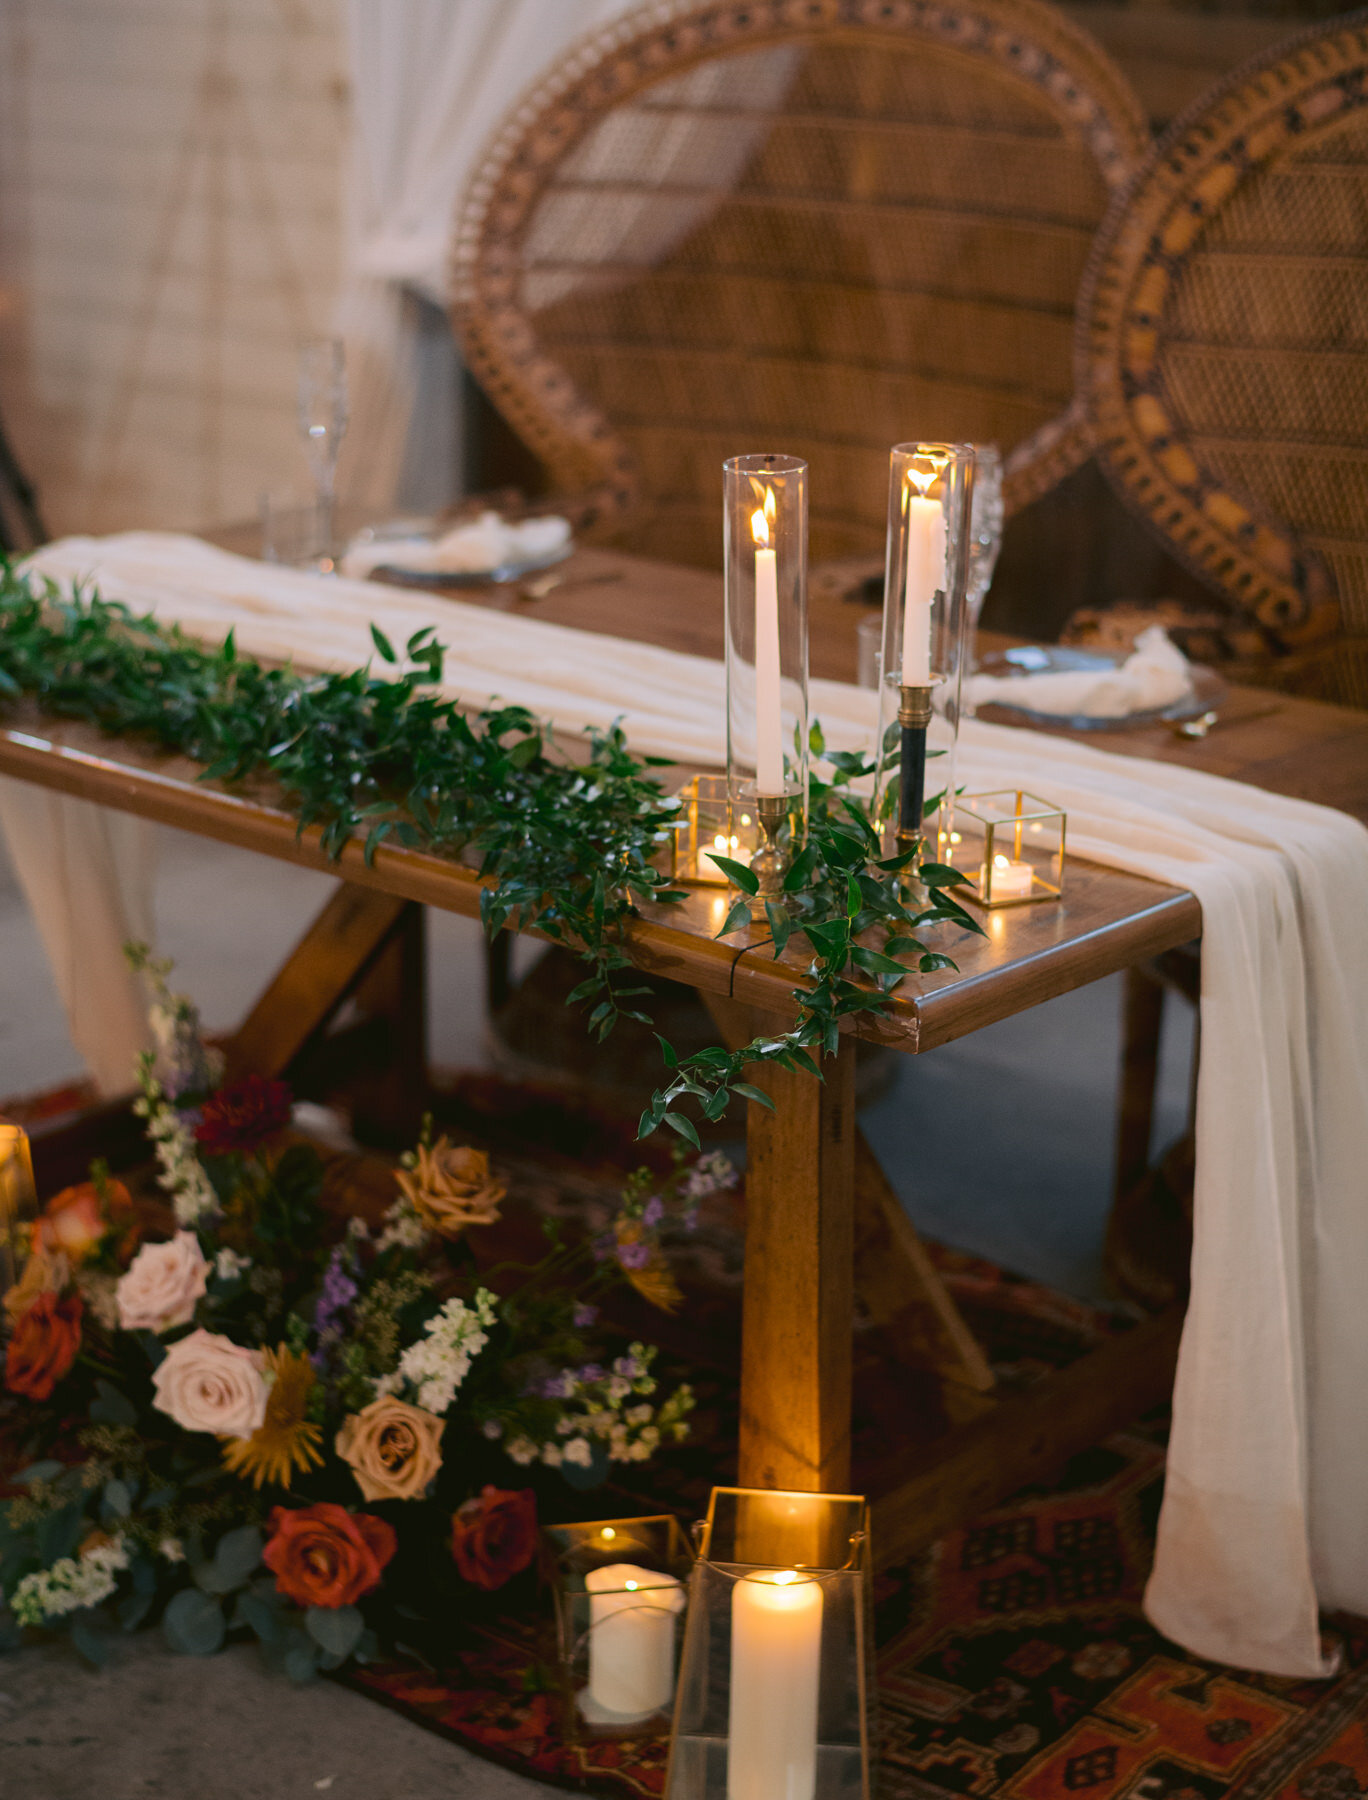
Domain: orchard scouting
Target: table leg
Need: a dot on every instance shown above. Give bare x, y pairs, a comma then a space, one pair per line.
798, 1299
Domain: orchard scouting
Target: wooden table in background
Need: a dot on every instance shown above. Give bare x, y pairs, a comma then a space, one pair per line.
812, 1187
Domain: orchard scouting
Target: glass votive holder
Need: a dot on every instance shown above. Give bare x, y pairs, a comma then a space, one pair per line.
709, 825
1010, 845
17, 1197
775, 1680
621, 1588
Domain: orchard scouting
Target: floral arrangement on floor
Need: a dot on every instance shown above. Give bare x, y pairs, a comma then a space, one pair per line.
316, 1429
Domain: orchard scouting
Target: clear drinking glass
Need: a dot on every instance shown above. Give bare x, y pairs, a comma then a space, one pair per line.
985, 539
323, 424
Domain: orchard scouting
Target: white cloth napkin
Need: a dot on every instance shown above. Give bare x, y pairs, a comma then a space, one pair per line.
476, 548
1266, 1506
1155, 674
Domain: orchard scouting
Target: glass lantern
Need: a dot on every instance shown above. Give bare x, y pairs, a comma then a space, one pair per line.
621, 1586
1010, 844
709, 825
925, 618
775, 1682
766, 533
17, 1201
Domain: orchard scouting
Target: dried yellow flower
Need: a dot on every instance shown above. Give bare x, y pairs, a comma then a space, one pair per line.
286, 1439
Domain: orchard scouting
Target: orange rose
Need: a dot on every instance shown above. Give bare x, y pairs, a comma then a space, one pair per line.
76, 1220
43, 1345
450, 1187
494, 1537
323, 1555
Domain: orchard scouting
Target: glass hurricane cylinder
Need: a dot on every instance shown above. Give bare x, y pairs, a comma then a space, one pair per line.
924, 620
620, 1587
766, 533
17, 1200
774, 1682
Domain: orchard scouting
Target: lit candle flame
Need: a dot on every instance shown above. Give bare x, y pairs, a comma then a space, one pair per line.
608, 1532
631, 1586
761, 519
784, 1577
1001, 862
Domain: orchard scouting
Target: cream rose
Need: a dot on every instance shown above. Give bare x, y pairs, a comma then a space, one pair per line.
394, 1449
161, 1285
450, 1187
209, 1383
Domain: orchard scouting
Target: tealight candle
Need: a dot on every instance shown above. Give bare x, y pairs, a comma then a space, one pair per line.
632, 1639
776, 1665
1011, 880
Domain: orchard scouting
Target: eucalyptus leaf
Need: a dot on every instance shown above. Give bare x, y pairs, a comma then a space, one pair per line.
335, 1629
736, 872
193, 1623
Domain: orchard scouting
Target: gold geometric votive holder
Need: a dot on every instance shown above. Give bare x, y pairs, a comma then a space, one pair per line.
621, 1586
1010, 845
17, 1200
774, 1682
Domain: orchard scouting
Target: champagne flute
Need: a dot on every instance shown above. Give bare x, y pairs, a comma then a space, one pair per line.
985, 538
322, 424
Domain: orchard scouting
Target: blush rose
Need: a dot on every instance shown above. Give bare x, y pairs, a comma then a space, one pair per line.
323, 1555
208, 1383
162, 1285
43, 1345
494, 1536
394, 1449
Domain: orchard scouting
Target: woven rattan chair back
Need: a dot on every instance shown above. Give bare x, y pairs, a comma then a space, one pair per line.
1223, 351
820, 227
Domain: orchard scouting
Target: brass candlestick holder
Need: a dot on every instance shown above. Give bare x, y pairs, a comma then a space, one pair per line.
914, 716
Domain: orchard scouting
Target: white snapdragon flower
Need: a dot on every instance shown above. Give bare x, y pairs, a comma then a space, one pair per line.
522, 1451
228, 1265
439, 1362
402, 1227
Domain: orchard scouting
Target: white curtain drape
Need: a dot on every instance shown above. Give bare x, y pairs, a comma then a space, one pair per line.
431, 80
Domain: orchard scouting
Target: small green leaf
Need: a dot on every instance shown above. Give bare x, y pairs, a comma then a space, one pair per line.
737, 873
382, 644
110, 1407
685, 1128
667, 1051
335, 1629
738, 916
748, 1092
193, 1623
238, 1556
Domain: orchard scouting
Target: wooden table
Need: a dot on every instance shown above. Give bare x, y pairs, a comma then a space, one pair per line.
811, 1185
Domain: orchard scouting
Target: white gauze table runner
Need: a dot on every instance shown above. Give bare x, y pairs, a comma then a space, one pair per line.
1266, 1507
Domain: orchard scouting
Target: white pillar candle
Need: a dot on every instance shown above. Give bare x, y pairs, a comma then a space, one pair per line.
925, 574
776, 1665
769, 709
1011, 880
632, 1639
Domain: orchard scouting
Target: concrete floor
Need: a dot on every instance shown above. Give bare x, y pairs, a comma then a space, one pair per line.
153, 1726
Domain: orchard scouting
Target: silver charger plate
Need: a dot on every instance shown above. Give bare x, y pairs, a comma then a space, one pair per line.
1207, 689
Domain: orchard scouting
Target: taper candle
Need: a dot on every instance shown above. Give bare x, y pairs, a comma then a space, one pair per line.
769, 707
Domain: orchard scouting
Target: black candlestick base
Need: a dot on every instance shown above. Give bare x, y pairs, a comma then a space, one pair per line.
914, 715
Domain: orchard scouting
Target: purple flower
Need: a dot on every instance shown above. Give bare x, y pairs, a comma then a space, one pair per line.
603, 1246
337, 1293
592, 1372
634, 1256
584, 1316
629, 1368
558, 1387
653, 1211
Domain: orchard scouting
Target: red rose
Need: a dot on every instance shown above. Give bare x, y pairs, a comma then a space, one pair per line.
325, 1556
43, 1345
495, 1536
241, 1115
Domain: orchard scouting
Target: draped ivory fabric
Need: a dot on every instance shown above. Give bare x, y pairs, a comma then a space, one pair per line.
1266, 1507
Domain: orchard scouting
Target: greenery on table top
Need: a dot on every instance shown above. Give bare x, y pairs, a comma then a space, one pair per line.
567, 847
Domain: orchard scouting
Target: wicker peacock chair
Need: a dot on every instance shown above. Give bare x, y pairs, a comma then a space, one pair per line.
818, 225
1223, 356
